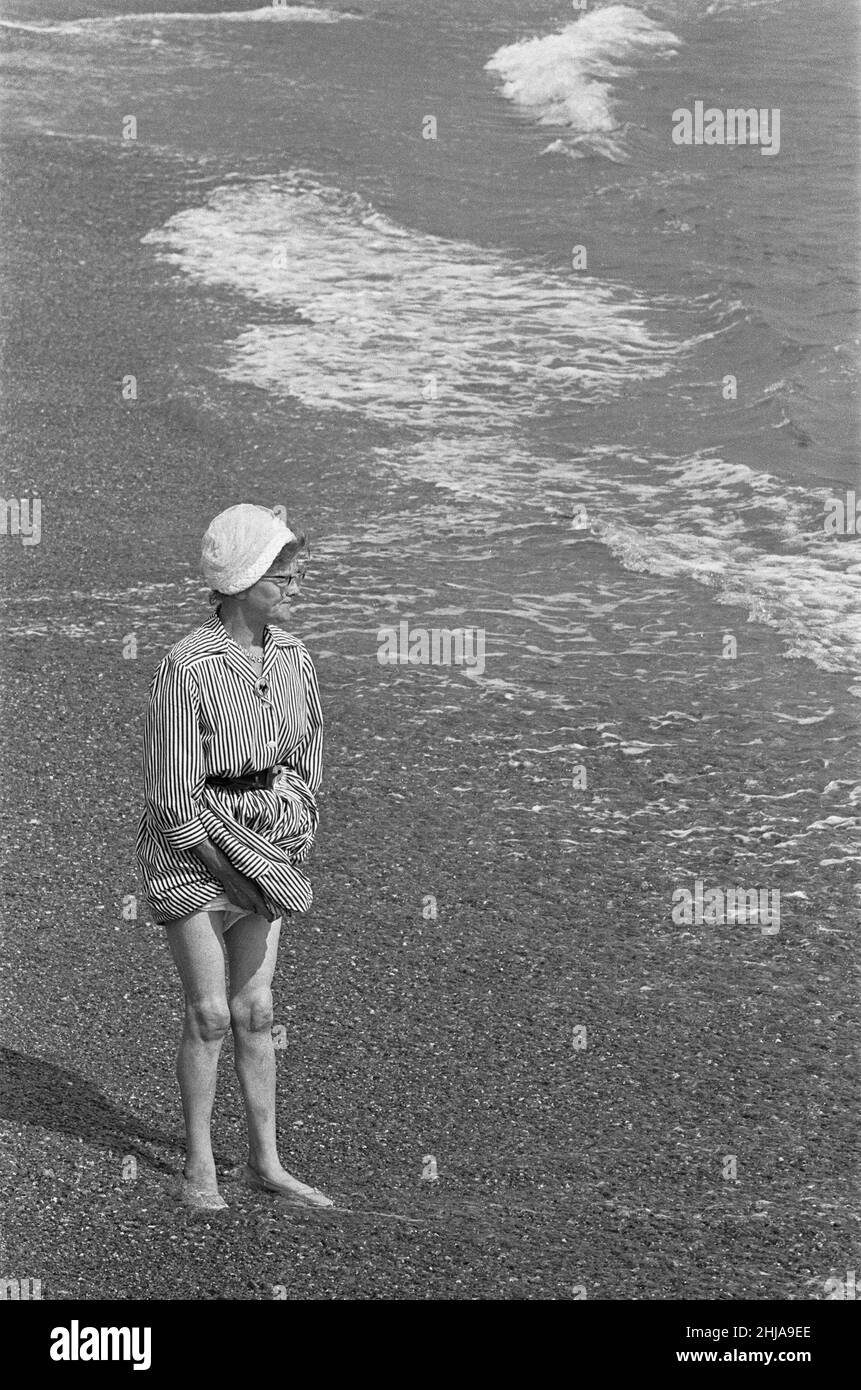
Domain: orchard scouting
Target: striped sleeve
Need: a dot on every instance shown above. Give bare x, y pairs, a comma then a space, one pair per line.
307, 757
174, 767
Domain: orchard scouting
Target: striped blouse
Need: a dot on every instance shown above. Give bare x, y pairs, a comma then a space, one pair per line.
210, 715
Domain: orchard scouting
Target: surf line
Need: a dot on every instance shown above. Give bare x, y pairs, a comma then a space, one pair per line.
456, 1213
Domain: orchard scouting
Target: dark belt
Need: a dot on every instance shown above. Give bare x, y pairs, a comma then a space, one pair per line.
252, 781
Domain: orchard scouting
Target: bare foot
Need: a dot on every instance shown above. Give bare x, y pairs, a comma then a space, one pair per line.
275, 1178
207, 1198
201, 1175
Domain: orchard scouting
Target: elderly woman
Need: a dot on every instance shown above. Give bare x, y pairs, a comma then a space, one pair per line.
231, 768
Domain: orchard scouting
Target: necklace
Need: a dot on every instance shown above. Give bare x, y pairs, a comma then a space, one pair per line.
252, 654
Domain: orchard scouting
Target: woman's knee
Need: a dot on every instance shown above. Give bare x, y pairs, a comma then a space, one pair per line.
208, 1018
252, 1012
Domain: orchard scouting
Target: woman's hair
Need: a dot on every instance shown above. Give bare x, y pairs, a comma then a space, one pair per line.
285, 554
291, 548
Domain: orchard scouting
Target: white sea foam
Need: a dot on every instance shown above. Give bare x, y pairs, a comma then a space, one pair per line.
692, 11
805, 585
372, 312
746, 536
264, 14
383, 318
32, 28
567, 79
722, 9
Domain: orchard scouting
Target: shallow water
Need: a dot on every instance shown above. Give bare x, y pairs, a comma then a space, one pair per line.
538, 449
426, 286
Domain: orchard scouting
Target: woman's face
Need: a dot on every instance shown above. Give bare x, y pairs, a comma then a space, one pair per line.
269, 600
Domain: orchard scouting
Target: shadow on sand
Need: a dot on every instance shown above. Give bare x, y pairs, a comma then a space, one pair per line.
37, 1092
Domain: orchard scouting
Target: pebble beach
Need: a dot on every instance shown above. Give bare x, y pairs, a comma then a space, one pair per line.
515, 1073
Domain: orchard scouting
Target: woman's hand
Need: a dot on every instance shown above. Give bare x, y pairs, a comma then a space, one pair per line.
240, 890
244, 893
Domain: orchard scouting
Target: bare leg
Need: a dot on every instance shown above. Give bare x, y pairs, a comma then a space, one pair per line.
196, 946
252, 949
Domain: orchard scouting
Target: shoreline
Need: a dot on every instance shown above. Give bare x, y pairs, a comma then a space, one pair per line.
407, 1036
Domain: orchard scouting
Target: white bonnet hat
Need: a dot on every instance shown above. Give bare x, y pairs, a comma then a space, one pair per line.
240, 545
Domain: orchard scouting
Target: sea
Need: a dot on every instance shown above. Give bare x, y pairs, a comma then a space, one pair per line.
595, 390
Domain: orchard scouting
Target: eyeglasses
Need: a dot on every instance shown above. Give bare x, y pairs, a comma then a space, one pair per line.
296, 575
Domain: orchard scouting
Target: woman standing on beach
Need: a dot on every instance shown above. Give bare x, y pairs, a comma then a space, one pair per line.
232, 764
